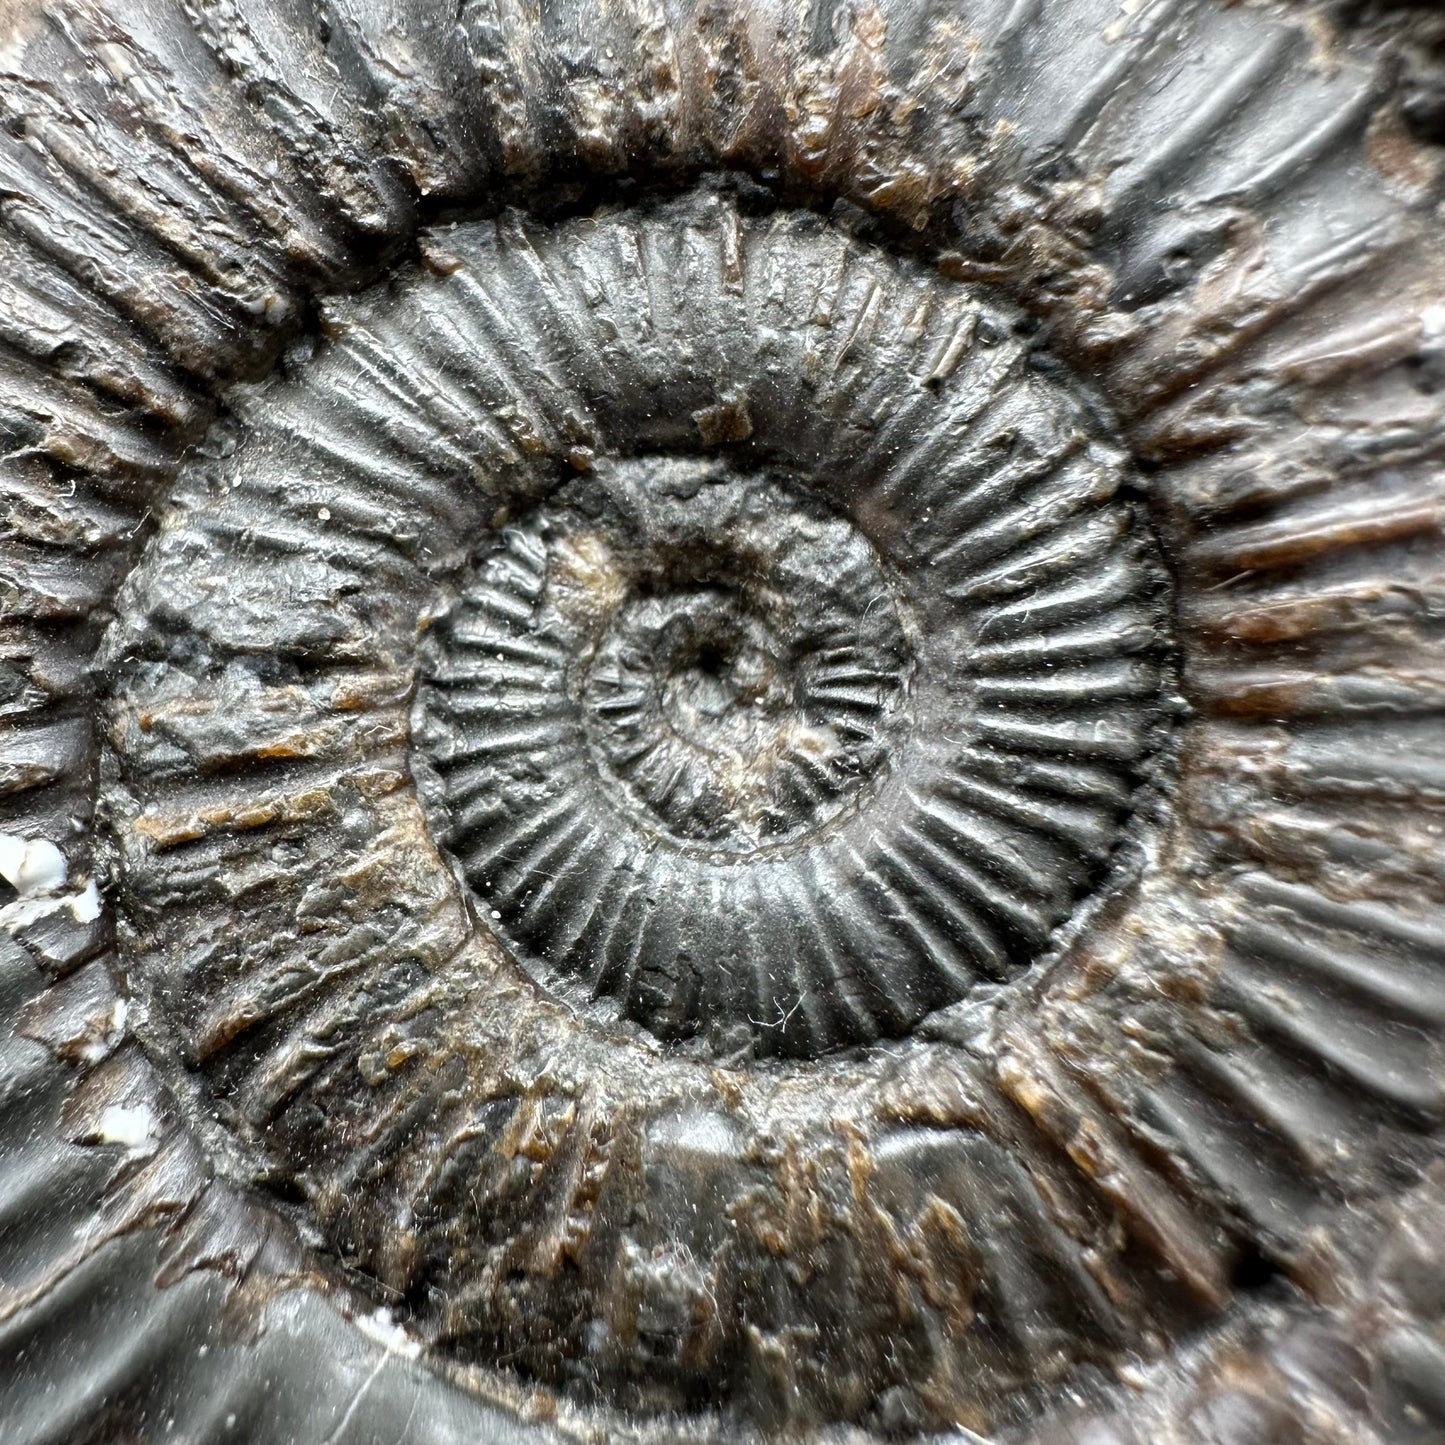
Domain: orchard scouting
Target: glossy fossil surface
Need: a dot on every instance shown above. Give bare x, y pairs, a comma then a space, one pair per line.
726, 720
693, 719
804, 680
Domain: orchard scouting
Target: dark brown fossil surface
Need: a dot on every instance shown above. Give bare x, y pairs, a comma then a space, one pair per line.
724, 720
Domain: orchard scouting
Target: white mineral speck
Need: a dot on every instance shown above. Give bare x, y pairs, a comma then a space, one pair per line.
31, 865
385, 1331
128, 1124
86, 904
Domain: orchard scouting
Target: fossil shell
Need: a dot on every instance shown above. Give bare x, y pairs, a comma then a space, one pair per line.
726, 721
685, 692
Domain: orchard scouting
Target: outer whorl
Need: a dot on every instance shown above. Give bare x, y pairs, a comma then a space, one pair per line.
726, 721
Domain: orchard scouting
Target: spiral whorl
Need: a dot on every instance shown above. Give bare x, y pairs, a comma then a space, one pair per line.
757, 743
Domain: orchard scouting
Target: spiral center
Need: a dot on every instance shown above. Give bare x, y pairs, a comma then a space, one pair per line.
707, 701
727, 654
688, 699
722, 677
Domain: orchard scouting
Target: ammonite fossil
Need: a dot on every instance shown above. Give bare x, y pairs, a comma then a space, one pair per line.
725, 721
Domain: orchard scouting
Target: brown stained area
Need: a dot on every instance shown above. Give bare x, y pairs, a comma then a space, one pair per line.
789, 1219
1374, 607
1401, 159
1234, 302
1160, 1221
1370, 347
276, 715
933, 1090
1268, 760
843, 125
1256, 795
81, 1018
571, 1157
934, 1253
586, 580
1284, 693
726, 421
165, 831
1294, 541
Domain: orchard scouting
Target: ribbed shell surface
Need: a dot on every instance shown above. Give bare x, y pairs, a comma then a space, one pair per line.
721, 720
